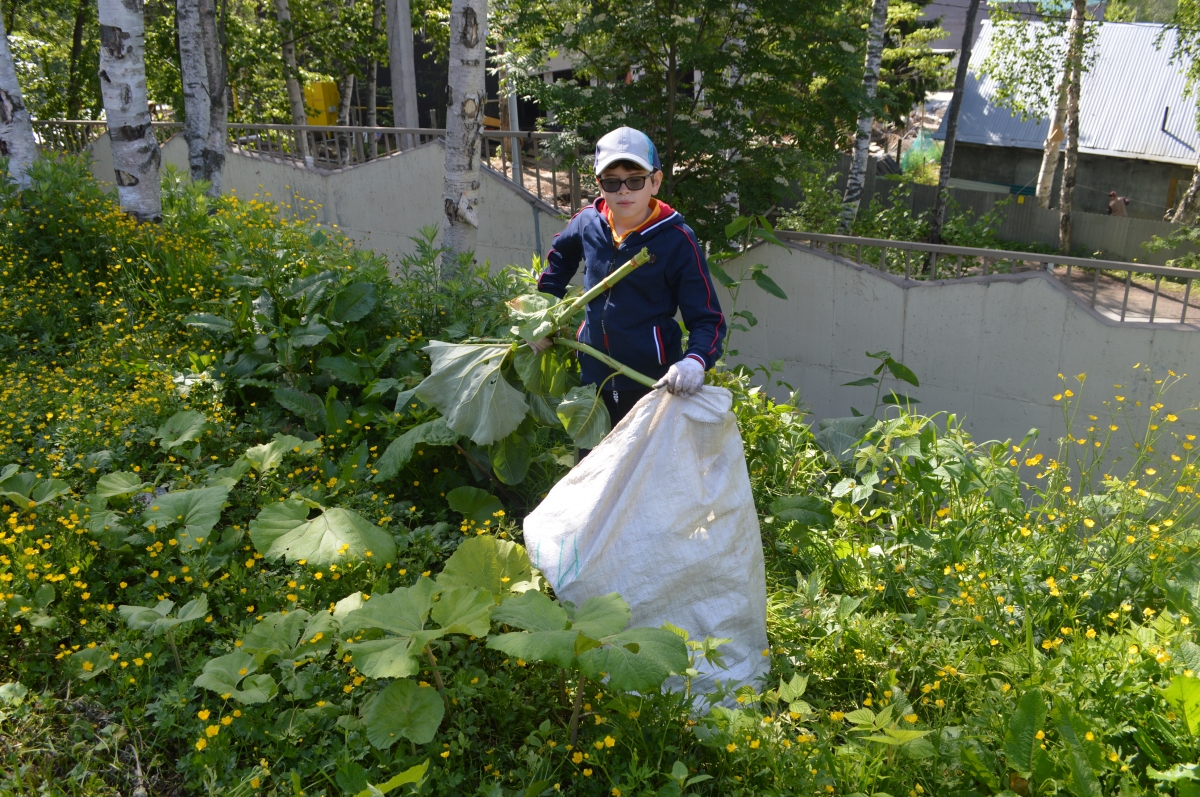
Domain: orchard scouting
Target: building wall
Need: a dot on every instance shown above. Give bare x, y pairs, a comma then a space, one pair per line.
1146, 183
988, 349
380, 205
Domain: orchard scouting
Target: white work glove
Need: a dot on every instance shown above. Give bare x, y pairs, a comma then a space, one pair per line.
540, 345
684, 378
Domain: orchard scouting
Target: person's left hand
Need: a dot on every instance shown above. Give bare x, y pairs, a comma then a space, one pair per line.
684, 378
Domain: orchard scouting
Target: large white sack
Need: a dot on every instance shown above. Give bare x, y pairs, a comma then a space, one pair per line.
662, 513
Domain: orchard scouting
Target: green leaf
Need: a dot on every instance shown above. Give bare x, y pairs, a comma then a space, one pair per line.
90, 662
400, 451
213, 323
197, 511
543, 409
410, 775
769, 285
722, 275
266, 457
311, 334
403, 710
901, 371
510, 456
869, 380
1083, 758
584, 416
808, 510
487, 563
1183, 693
556, 647
793, 690
464, 610
543, 373
335, 536
44, 596
352, 303
1020, 741
112, 485
400, 616
637, 660
1176, 773
343, 369
233, 675
467, 387
531, 611
154, 620
736, 226
478, 507
306, 405
601, 616
861, 716
839, 436
182, 427
290, 636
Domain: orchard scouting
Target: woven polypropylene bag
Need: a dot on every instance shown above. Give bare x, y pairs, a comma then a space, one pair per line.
662, 513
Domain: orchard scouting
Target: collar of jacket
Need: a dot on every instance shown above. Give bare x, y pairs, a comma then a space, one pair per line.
669, 217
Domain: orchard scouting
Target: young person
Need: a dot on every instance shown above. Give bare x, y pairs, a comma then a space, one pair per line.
634, 322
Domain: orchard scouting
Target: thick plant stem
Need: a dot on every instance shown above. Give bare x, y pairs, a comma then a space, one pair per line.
640, 259
575, 709
175, 652
624, 370
437, 676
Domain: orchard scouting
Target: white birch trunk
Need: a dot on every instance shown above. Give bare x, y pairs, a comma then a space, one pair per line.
372, 84
136, 158
218, 119
857, 177
16, 133
202, 64
1188, 208
1054, 137
464, 122
1075, 72
403, 67
283, 13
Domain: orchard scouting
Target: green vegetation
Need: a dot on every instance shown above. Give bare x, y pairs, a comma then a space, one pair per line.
248, 549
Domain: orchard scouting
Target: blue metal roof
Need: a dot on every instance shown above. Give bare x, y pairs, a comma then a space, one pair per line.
1122, 101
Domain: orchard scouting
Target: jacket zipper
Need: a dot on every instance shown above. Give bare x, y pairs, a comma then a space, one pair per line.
608, 300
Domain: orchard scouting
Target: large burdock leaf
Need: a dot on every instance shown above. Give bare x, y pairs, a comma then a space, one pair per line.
113, 485
545, 636
487, 563
532, 611
291, 636
352, 303
510, 457
403, 710
267, 457
196, 511
464, 610
336, 535
544, 373
182, 427
233, 676
584, 416
809, 510
475, 505
400, 617
467, 387
637, 660
1184, 694
26, 490
601, 616
154, 620
400, 450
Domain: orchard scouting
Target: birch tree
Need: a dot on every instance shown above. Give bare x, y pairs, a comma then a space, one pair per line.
136, 158
1185, 24
464, 122
857, 177
960, 79
372, 78
206, 116
16, 133
403, 67
283, 13
1074, 76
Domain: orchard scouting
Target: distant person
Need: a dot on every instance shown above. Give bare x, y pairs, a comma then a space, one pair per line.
1116, 204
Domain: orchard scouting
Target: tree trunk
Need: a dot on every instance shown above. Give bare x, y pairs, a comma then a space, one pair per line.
202, 64
283, 12
372, 82
1075, 72
1050, 147
74, 104
960, 80
857, 177
16, 132
136, 158
1188, 208
464, 122
403, 67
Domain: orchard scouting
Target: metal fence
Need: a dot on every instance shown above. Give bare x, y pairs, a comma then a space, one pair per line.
529, 159
1124, 292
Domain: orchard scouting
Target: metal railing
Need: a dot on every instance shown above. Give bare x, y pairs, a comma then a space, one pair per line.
522, 157
1118, 290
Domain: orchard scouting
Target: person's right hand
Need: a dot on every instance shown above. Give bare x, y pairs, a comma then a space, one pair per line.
540, 345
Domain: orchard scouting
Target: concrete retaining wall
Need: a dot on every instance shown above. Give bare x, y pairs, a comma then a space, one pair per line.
986, 348
379, 205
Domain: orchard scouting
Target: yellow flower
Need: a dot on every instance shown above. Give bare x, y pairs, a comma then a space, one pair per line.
837, 716
1040, 734
609, 741
577, 758
255, 783
910, 717
1087, 521
445, 754
201, 744
754, 744
226, 720
203, 715
730, 747
212, 730
587, 773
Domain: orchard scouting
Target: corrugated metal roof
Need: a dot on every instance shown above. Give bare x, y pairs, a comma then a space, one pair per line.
1122, 100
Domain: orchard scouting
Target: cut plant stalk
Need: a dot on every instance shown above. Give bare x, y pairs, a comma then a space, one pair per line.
624, 370
638, 260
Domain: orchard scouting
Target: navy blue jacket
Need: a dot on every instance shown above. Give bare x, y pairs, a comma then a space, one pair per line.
634, 322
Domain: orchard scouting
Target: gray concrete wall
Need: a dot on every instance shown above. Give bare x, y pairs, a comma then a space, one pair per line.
380, 205
988, 349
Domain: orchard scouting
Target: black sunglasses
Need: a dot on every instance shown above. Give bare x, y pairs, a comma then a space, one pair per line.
613, 184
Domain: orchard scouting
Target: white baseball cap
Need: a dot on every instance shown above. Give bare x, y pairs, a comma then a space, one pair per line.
627, 144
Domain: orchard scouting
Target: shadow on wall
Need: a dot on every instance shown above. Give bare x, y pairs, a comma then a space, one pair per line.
379, 205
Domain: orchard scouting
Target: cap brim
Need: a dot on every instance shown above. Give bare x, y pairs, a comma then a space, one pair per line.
623, 156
